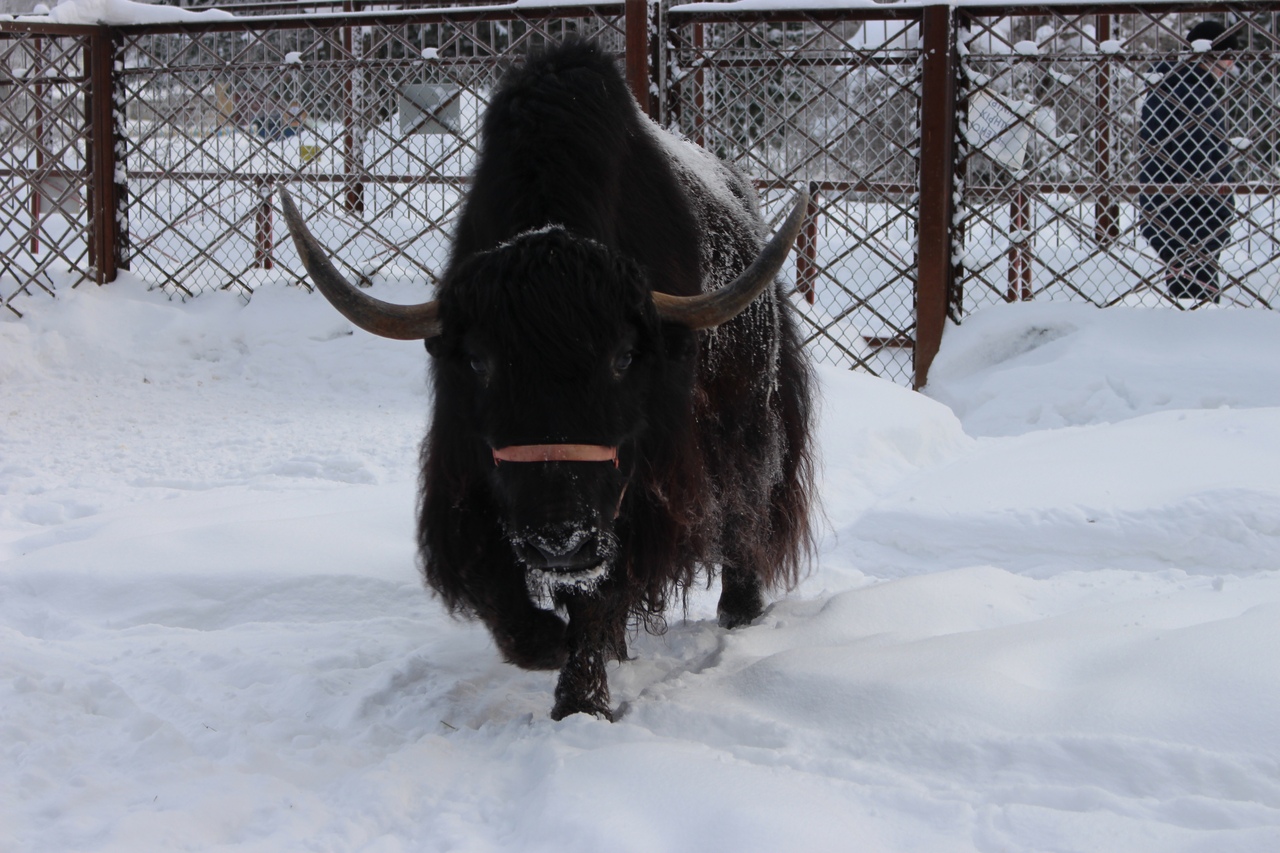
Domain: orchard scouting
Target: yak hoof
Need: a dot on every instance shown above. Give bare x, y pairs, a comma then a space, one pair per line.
565, 707
740, 604
538, 644
735, 620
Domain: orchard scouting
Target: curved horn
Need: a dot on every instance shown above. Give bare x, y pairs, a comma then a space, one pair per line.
708, 310
402, 322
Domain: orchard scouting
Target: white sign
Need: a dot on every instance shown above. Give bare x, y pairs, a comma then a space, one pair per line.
58, 194
998, 131
429, 108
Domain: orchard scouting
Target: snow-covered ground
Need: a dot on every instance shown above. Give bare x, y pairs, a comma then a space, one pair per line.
1044, 617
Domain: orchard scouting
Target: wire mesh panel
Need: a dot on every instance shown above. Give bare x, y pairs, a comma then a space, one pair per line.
799, 100
1101, 154
44, 133
1111, 159
372, 121
245, 8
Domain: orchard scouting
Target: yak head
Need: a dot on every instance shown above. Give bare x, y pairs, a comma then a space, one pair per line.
553, 353
553, 350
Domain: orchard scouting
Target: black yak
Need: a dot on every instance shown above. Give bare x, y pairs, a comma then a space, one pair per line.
621, 396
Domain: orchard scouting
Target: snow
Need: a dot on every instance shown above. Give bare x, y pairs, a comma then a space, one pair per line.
125, 12
700, 168
886, 35
1042, 616
120, 12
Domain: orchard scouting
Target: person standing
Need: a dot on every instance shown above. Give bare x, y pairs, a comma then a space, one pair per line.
1184, 141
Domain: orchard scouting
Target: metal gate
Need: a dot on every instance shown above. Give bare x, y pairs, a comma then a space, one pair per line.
956, 157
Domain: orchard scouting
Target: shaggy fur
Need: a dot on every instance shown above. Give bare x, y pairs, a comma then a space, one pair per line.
577, 212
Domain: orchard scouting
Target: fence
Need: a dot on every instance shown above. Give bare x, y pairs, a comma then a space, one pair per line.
1056, 212
48, 158
957, 156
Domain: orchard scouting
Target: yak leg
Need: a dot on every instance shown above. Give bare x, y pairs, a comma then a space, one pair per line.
534, 640
526, 636
741, 596
583, 687
595, 637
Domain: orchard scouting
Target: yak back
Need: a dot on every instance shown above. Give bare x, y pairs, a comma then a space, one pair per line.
564, 143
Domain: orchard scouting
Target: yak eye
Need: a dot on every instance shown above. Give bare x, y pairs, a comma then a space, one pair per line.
622, 362
480, 366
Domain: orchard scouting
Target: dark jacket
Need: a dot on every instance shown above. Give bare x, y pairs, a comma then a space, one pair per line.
1184, 140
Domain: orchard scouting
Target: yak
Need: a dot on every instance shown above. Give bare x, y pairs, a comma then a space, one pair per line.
621, 398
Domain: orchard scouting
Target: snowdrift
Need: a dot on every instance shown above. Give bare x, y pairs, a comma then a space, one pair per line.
1042, 617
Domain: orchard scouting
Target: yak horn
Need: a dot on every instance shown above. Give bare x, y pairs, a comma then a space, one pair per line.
708, 310
402, 322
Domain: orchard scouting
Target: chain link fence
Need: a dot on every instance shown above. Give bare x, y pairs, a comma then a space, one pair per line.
798, 100
372, 119
44, 137
372, 122
1107, 159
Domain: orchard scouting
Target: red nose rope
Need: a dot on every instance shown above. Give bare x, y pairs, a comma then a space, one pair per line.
561, 453
555, 453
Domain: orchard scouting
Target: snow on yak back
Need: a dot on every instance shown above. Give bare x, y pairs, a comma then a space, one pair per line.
621, 398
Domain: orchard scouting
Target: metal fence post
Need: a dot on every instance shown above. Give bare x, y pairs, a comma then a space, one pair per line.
807, 267
108, 193
657, 60
1106, 226
934, 268
264, 238
636, 19
38, 124
1019, 247
353, 121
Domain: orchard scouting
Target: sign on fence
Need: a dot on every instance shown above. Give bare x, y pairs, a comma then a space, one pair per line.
998, 131
427, 108
59, 194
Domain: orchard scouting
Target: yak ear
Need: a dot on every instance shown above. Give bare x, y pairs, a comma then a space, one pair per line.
679, 343
434, 346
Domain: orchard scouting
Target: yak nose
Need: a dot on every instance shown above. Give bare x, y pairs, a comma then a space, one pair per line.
560, 556
558, 550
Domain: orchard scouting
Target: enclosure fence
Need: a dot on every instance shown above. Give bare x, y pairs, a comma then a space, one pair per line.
957, 156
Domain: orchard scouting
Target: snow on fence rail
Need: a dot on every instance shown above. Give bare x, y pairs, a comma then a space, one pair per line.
957, 156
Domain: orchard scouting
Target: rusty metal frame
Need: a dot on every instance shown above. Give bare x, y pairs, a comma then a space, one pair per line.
355, 172
671, 60
936, 274
108, 195
44, 161
846, 318
1096, 211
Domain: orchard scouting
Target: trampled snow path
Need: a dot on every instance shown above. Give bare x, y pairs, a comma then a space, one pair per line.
1047, 623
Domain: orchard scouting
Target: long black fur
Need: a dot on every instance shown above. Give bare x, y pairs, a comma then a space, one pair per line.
576, 213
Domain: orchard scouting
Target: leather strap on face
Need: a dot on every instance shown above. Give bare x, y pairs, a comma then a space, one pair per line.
555, 453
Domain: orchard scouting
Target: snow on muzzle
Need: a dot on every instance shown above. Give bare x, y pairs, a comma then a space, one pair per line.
567, 549
564, 558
